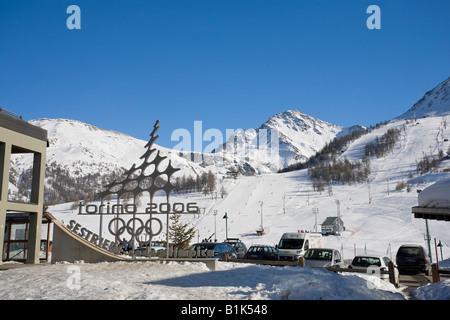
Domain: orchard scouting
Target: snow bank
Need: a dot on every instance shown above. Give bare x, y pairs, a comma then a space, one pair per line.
186, 281
433, 291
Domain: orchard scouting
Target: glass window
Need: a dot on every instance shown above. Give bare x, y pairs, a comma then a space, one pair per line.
17, 250
318, 254
410, 251
366, 261
18, 231
290, 243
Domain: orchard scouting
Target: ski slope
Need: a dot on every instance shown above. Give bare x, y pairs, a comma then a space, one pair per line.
379, 225
375, 225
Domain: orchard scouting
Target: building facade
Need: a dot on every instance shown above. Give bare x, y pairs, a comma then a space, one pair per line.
20, 137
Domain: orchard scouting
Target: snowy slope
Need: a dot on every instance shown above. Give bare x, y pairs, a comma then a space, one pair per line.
385, 221
434, 103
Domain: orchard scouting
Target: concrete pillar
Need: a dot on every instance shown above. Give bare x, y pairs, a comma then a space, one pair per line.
37, 198
5, 157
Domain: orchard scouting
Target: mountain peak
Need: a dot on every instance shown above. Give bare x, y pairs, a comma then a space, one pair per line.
435, 103
296, 120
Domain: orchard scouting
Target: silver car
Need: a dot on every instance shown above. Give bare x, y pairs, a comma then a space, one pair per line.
323, 258
373, 264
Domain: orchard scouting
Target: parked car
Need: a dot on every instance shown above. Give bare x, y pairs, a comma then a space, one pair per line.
261, 252
220, 249
373, 264
323, 258
413, 257
155, 247
293, 245
238, 246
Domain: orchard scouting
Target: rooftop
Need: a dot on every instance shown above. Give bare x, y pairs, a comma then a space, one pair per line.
14, 122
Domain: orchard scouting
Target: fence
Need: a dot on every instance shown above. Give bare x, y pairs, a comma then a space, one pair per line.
3, 110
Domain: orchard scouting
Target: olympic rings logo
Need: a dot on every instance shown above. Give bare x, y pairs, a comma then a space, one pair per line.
134, 227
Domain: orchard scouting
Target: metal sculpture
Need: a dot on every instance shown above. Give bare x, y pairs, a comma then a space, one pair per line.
138, 180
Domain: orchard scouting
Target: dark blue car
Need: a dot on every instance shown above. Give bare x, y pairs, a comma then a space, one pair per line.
220, 249
261, 252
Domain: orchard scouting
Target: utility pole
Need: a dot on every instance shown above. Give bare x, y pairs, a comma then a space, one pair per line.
262, 227
428, 238
338, 203
215, 225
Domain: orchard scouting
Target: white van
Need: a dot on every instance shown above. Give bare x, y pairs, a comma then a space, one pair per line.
293, 245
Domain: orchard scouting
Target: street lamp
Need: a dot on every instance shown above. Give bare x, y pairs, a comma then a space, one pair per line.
226, 224
440, 246
315, 212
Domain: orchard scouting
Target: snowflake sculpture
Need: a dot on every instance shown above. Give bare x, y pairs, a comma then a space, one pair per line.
142, 179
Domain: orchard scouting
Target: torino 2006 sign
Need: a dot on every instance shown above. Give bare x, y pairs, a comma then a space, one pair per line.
135, 226
149, 177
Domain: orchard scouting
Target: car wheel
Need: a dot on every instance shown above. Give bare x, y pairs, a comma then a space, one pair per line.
224, 257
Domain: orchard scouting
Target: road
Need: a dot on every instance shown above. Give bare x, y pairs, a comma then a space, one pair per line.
413, 281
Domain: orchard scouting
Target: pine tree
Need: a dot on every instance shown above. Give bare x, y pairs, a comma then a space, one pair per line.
180, 234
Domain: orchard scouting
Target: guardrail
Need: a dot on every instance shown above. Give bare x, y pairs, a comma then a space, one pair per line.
10, 113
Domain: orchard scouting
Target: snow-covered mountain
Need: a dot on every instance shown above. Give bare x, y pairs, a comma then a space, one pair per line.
82, 158
434, 103
286, 138
83, 149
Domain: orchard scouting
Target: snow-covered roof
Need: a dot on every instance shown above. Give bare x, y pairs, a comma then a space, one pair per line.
436, 195
434, 202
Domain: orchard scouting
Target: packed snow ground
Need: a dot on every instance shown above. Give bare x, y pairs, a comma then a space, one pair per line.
193, 281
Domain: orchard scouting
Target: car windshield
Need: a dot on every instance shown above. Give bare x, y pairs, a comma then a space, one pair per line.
410, 251
366, 262
290, 243
318, 254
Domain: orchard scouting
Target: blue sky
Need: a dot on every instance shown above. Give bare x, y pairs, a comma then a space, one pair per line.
231, 64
